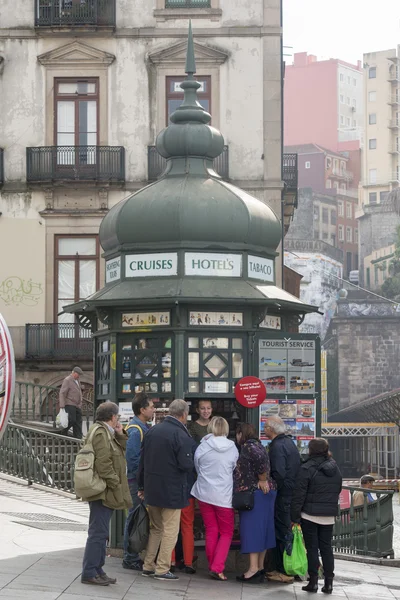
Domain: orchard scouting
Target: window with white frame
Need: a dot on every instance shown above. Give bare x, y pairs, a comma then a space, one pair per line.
341, 233
354, 103
372, 144
328, 184
341, 77
349, 234
372, 175
349, 210
372, 73
340, 208
341, 119
341, 98
307, 164
76, 266
372, 118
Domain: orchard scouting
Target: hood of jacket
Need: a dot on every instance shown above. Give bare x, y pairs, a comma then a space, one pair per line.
217, 443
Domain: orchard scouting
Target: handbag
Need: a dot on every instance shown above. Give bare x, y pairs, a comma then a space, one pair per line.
243, 500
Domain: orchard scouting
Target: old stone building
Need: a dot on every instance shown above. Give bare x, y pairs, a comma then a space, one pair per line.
85, 86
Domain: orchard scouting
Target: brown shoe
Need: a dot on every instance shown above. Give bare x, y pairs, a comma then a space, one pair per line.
95, 581
105, 577
279, 577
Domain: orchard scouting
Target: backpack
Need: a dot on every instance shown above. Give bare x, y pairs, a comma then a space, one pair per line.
87, 482
136, 427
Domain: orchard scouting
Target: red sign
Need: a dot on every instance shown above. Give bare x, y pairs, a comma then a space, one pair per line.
250, 392
345, 499
7, 375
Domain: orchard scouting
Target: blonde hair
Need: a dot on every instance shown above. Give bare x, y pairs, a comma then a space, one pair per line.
218, 426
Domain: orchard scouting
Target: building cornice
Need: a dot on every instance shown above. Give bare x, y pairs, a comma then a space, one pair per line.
145, 32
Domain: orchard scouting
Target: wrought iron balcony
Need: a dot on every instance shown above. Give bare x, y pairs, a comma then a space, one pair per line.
157, 163
74, 13
75, 163
187, 4
58, 341
290, 171
1, 166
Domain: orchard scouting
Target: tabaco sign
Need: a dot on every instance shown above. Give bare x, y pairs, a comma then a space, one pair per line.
250, 392
7, 375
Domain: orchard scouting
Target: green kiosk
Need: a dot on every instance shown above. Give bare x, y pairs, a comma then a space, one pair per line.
190, 304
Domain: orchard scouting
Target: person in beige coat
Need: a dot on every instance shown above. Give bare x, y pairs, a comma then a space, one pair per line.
71, 401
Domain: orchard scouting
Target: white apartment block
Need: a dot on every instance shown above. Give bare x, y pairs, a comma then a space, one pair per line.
380, 157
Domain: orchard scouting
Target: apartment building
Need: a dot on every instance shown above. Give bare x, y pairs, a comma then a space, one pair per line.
380, 159
85, 87
324, 102
334, 187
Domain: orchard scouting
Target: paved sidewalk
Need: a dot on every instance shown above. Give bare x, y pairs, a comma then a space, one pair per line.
42, 538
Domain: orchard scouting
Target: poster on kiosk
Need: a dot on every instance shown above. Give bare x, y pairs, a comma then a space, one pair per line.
7, 375
289, 365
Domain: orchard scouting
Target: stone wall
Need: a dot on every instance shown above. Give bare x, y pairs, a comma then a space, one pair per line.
367, 350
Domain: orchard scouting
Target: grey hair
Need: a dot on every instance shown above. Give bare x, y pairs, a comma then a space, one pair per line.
277, 425
178, 408
106, 411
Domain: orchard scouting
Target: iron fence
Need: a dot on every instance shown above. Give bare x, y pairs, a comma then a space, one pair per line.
76, 163
157, 163
37, 403
367, 529
58, 341
187, 3
75, 13
290, 171
39, 457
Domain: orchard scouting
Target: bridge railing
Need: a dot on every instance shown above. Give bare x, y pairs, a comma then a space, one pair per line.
366, 529
39, 456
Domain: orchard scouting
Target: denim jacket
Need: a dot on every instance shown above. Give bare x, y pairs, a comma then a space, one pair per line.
133, 445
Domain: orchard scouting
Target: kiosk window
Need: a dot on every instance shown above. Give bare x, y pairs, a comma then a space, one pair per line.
214, 364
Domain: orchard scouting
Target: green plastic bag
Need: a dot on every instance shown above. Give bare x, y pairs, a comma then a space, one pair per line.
296, 564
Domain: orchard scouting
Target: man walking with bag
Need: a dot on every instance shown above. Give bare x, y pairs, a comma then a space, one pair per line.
166, 463
137, 428
106, 440
71, 401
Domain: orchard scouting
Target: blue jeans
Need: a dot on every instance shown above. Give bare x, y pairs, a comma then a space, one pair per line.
98, 533
129, 558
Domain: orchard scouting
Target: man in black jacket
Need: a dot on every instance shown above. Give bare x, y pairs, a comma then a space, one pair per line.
285, 463
166, 465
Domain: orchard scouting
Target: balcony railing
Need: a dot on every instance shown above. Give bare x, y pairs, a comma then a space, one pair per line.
58, 341
76, 163
290, 171
187, 3
1, 166
157, 163
75, 13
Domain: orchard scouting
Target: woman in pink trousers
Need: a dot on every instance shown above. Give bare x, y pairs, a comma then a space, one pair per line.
215, 460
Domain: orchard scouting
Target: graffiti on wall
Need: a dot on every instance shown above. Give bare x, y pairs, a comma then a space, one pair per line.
16, 291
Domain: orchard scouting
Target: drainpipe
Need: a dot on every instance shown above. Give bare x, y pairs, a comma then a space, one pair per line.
282, 148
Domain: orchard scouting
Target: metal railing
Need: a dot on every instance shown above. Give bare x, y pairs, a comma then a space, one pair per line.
40, 403
39, 457
366, 530
58, 341
290, 171
75, 163
75, 13
187, 3
156, 163
1, 166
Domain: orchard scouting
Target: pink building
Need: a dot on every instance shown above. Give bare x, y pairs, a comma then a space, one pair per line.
323, 102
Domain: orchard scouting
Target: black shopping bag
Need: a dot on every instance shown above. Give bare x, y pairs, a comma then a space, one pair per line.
139, 529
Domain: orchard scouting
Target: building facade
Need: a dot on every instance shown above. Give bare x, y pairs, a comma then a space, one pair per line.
377, 267
380, 161
85, 87
328, 97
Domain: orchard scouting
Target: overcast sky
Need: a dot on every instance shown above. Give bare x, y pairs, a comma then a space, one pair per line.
340, 28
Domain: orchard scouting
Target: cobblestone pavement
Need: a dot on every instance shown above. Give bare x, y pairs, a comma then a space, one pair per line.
42, 538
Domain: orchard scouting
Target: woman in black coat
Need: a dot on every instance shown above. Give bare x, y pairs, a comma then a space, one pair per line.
315, 505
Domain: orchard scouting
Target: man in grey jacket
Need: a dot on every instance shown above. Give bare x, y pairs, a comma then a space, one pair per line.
71, 400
